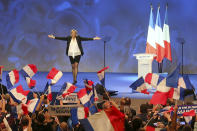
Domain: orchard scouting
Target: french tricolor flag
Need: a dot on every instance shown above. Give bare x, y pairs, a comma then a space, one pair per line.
140, 86
162, 94
32, 104
92, 95
78, 114
159, 38
84, 97
12, 78
185, 82
106, 120
89, 84
54, 75
173, 78
150, 44
18, 94
29, 70
47, 90
166, 36
68, 88
179, 93
188, 115
153, 79
30, 82
101, 74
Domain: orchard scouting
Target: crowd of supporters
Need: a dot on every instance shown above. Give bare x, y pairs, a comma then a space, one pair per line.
147, 118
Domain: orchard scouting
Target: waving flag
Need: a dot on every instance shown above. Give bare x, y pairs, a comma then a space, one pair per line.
32, 104
54, 75
68, 88
161, 95
173, 78
1, 72
89, 84
153, 79
29, 70
177, 93
166, 36
106, 120
159, 38
30, 82
101, 74
183, 89
47, 90
18, 94
150, 44
78, 114
140, 86
185, 82
188, 115
12, 78
84, 97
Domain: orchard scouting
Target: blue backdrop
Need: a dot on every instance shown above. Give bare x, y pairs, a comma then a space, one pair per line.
25, 24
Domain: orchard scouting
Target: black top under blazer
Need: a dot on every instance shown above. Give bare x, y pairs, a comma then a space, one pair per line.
78, 38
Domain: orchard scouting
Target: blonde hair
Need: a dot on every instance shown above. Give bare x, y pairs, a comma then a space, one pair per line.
74, 31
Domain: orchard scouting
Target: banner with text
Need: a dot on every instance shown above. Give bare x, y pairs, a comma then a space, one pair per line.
61, 110
186, 108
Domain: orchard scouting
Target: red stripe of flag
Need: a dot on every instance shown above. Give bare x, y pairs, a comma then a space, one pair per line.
33, 67
52, 73
16, 75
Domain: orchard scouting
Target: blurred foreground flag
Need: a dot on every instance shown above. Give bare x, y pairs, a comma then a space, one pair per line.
84, 97
101, 75
78, 114
188, 116
68, 88
161, 95
47, 90
12, 78
139, 85
54, 75
30, 82
106, 120
29, 70
153, 79
173, 78
18, 94
32, 104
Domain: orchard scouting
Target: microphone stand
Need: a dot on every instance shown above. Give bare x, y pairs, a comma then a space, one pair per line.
182, 43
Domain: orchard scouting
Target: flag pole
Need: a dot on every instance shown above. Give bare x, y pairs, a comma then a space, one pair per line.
104, 61
182, 43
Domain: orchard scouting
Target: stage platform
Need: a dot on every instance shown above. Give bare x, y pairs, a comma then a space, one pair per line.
114, 81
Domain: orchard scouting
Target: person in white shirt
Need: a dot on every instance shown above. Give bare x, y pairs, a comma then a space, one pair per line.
74, 49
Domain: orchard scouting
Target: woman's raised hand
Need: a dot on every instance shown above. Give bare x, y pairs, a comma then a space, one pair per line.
96, 38
51, 36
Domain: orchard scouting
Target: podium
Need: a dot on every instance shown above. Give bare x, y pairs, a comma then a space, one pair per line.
144, 63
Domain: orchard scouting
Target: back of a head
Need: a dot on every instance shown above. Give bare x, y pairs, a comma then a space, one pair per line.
24, 121
143, 108
40, 118
137, 123
122, 101
127, 101
187, 128
64, 126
